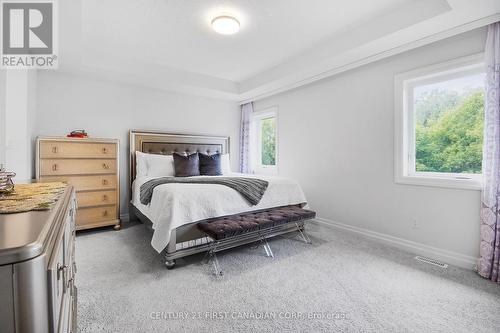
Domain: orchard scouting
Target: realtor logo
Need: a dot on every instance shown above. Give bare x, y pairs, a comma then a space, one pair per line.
28, 30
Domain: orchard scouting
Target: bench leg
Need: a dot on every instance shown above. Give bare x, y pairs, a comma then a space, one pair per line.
211, 257
303, 233
269, 252
215, 262
206, 258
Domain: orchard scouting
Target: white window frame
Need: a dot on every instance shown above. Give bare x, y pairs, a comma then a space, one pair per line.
256, 146
404, 131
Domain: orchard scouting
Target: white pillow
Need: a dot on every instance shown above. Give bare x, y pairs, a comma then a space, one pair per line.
225, 164
157, 165
141, 167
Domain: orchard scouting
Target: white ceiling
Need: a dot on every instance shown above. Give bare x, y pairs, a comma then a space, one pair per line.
168, 44
178, 34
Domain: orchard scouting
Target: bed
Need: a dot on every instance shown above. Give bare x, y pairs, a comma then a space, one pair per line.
175, 209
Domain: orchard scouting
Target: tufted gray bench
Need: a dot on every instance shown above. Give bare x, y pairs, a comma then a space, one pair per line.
229, 228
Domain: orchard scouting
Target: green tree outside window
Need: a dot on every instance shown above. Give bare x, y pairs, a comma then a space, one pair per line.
268, 140
449, 131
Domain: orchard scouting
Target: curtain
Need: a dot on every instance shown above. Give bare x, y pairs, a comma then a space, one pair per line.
488, 265
246, 111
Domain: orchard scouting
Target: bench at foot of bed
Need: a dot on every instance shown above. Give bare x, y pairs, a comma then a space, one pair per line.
227, 231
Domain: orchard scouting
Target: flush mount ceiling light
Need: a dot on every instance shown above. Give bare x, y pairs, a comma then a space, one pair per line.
226, 25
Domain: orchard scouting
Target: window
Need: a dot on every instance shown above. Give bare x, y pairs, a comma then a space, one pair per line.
264, 129
439, 124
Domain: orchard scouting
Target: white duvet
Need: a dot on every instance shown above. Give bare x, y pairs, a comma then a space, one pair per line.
174, 205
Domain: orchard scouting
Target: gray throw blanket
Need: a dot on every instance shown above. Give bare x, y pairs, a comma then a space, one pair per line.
251, 189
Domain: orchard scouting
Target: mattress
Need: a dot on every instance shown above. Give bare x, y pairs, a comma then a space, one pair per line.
174, 205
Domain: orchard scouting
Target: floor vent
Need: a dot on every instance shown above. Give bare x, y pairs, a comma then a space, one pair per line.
431, 261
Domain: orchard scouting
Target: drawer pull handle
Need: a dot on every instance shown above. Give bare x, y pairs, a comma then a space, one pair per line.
105, 213
104, 197
104, 182
54, 167
61, 269
54, 150
104, 150
105, 166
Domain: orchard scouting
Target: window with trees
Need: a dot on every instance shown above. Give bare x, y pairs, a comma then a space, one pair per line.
439, 124
265, 147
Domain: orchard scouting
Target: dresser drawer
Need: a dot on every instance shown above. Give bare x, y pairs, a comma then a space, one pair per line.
61, 149
86, 183
57, 283
92, 215
49, 167
96, 198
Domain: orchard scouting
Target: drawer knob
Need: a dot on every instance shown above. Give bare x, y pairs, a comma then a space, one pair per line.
54, 167
105, 166
54, 150
104, 182
104, 150
105, 213
104, 197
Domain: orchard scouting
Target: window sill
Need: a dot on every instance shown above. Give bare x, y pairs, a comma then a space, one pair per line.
443, 182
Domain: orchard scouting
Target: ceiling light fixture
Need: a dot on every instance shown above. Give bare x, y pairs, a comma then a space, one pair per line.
226, 25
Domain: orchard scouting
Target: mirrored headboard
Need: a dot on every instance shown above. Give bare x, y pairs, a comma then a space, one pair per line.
152, 142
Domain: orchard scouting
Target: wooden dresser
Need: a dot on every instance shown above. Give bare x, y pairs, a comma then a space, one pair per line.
91, 166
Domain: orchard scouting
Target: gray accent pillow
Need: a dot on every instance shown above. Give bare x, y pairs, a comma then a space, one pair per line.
210, 165
186, 166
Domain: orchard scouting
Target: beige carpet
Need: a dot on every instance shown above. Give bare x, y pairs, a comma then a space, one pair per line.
340, 283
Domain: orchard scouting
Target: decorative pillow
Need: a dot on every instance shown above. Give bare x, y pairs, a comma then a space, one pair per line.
225, 164
186, 166
210, 165
154, 165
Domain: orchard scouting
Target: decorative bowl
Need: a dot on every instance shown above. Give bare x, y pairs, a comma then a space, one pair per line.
6, 183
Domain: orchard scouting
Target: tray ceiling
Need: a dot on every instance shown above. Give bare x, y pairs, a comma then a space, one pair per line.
169, 44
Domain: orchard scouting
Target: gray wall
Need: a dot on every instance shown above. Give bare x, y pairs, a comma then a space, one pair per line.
17, 119
110, 110
2, 117
336, 139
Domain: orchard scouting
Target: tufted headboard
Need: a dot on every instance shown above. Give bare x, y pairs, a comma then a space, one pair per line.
167, 143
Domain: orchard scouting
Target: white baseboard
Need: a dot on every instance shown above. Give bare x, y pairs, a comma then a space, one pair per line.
450, 257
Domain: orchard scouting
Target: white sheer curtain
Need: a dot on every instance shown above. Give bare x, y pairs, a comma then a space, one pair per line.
488, 265
246, 112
